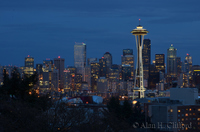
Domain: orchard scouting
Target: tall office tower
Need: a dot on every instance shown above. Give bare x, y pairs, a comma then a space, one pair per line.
39, 72
70, 79
88, 76
188, 58
114, 73
90, 60
128, 59
94, 75
80, 57
185, 66
139, 33
146, 57
171, 62
103, 67
60, 65
108, 58
153, 77
126, 72
39, 68
160, 62
102, 85
29, 65
78, 82
179, 65
47, 62
29, 61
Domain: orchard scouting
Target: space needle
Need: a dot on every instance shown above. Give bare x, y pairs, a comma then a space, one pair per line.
139, 33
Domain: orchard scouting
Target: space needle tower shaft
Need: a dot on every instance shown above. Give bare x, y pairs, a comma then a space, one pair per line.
139, 33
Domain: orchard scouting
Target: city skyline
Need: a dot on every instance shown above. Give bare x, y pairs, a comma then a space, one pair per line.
47, 29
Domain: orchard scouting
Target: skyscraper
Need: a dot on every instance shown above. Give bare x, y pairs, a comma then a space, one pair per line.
60, 65
29, 61
103, 67
29, 65
171, 62
95, 67
128, 59
179, 65
188, 58
146, 57
160, 62
80, 57
108, 58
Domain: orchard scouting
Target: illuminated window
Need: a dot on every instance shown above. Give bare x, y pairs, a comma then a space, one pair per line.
186, 114
186, 128
198, 109
182, 119
190, 109
198, 119
179, 110
193, 113
198, 123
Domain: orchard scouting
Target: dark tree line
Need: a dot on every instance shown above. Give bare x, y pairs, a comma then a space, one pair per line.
21, 111
122, 117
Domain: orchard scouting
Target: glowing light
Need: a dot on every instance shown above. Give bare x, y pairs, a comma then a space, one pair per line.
28, 55
196, 70
102, 57
134, 102
58, 56
187, 54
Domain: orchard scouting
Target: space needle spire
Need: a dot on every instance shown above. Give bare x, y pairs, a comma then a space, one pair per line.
139, 33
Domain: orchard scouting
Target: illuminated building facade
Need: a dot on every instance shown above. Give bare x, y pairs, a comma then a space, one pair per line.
29, 65
114, 73
102, 85
47, 62
80, 57
88, 76
196, 76
95, 68
127, 52
179, 65
60, 66
78, 82
188, 58
146, 57
126, 72
153, 77
108, 58
90, 60
29, 61
171, 62
103, 67
128, 59
160, 62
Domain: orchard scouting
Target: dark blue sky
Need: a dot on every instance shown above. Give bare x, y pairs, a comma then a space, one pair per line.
49, 28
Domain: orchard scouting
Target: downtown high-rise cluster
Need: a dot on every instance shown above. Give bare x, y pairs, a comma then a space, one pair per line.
100, 76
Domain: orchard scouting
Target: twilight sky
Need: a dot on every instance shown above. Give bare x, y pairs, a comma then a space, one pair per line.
49, 28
